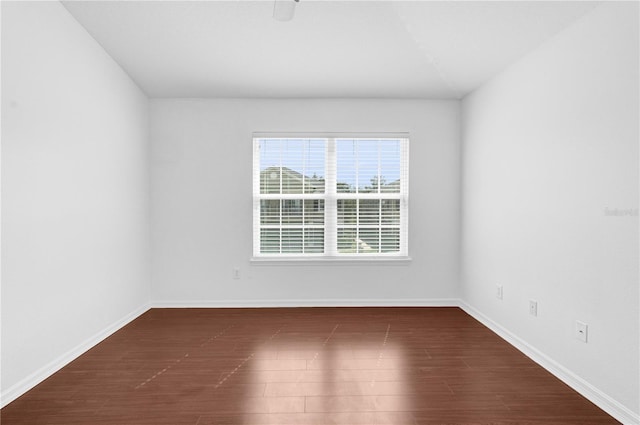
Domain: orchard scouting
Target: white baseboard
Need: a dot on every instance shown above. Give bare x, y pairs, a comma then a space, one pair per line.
408, 302
593, 394
46, 371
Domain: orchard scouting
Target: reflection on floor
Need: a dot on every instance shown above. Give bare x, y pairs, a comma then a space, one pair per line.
351, 366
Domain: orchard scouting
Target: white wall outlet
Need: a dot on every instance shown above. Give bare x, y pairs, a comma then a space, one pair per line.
236, 273
499, 292
533, 307
582, 330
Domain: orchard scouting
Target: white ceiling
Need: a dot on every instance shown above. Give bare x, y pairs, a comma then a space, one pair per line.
361, 49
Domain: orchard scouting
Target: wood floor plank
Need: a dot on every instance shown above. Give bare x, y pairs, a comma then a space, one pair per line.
303, 366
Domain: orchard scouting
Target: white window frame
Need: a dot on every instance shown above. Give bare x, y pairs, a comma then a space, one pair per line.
331, 197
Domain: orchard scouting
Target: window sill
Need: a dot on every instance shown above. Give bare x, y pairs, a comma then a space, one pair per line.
321, 261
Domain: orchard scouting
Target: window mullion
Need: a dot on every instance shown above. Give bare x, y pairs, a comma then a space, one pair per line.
331, 205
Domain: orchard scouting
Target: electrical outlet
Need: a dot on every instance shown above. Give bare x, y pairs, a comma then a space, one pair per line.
236, 273
533, 307
581, 331
499, 292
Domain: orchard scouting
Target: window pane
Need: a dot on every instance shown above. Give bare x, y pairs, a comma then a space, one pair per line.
369, 211
270, 211
291, 241
390, 240
390, 152
368, 166
291, 181
314, 166
270, 180
390, 211
292, 165
314, 211
347, 241
369, 240
347, 211
314, 241
346, 165
291, 211
270, 241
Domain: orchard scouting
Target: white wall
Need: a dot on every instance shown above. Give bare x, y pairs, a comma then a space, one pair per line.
202, 203
75, 193
550, 151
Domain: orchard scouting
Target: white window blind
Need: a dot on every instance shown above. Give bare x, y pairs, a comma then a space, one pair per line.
330, 197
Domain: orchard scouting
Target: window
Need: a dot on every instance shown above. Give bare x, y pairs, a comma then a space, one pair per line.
336, 197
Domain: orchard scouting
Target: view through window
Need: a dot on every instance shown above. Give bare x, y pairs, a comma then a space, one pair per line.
330, 197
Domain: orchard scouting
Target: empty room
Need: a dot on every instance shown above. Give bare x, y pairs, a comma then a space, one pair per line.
319, 212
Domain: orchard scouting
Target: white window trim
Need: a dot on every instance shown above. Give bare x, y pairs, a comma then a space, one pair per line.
339, 261
330, 256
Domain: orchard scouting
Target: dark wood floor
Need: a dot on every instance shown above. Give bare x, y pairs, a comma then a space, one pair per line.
351, 366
